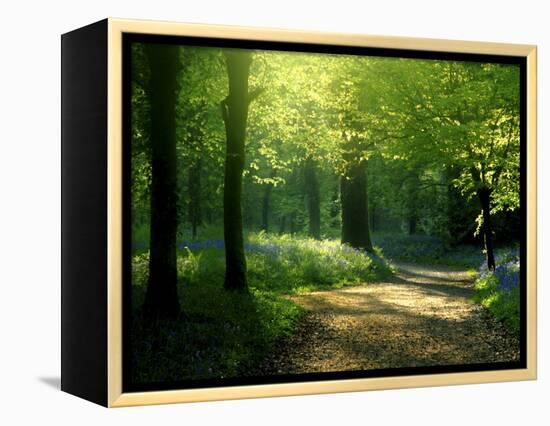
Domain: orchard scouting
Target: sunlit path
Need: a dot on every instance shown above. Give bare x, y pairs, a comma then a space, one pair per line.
422, 317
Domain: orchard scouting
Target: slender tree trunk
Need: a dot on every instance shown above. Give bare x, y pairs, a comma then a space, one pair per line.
413, 220
282, 224
207, 213
355, 212
313, 198
195, 216
266, 201
292, 224
335, 207
412, 203
484, 195
265, 208
161, 299
235, 114
370, 197
372, 216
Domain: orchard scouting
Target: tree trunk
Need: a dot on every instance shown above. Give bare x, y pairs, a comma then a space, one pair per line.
161, 299
335, 207
484, 195
413, 220
266, 201
410, 195
313, 198
265, 208
292, 224
355, 212
235, 114
372, 216
195, 216
282, 224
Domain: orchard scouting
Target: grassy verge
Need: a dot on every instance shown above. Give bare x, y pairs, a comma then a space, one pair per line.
498, 291
225, 334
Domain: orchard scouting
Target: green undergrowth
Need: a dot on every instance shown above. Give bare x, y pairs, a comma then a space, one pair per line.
504, 306
428, 250
284, 264
499, 290
220, 334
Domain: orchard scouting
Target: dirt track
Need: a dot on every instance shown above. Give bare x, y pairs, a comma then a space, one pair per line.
421, 317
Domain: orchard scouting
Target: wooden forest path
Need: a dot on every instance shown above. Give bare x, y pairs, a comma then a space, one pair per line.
422, 316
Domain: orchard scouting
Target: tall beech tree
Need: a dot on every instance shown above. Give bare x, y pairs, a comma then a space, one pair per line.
234, 110
161, 299
489, 148
355, 209
472, 111
356, 146
462, 116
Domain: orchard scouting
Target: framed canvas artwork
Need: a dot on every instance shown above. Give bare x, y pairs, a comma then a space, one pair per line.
253, 212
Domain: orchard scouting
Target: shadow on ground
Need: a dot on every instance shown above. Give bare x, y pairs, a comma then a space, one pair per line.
423, 316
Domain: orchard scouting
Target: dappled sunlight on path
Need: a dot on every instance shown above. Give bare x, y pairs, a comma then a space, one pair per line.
421, 317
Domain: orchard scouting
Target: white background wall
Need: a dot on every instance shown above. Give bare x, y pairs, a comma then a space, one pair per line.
30, 199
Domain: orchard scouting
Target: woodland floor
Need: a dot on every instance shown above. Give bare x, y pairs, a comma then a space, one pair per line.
423, 316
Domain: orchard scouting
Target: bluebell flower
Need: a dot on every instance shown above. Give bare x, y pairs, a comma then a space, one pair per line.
507, 272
